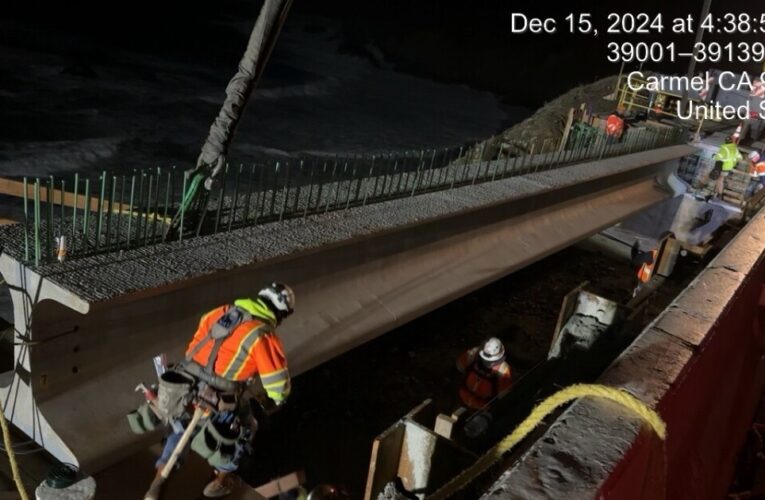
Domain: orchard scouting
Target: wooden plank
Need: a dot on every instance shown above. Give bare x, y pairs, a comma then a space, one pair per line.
11, 187
386, 454
15, 188
281, 485
7, 222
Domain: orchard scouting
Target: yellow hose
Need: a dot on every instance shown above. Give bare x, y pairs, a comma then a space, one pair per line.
12, 457
9, 449
535, 418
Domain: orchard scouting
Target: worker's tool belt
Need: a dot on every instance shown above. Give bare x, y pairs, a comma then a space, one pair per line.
211, 379
174, 394
217, 444
143, 419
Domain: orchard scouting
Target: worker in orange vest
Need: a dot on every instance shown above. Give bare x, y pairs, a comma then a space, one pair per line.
643, 262
614, 127
757, 171
486, 373
233, 345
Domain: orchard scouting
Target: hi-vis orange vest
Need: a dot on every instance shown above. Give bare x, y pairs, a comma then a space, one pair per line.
251, 349
758, 169
646, 270
614, 126
482, 383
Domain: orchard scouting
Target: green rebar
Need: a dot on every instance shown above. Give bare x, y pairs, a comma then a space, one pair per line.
139, 208
99, 221
183, 205
129, 234
286, 191
454, 175
310, 189
248, 199
62, 206
26, 221
261, 199
118, 232
37, 222
221, 199
155, 210
146, 211
49, 250
74, 209
86, 215
168, 195
271, 211
232, 213
109, 211
296, 205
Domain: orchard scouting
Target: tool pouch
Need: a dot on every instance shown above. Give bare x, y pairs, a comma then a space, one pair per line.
174, 394
142, 420
217, 444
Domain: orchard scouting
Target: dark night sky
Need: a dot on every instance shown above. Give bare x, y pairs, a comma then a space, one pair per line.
466, 42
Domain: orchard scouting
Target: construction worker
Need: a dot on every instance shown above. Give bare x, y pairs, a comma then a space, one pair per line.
614, 127
486, 372
726, 159
757, 171
232, 346
643, 262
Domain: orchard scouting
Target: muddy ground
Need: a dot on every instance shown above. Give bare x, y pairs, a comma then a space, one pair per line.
337, 409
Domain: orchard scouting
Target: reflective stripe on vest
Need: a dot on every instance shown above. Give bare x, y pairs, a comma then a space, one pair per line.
646, 270
728, 155
481, 384
234, 368
238, 344
759, 169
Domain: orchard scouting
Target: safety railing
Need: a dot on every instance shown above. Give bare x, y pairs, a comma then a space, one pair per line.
77, 215
739, 187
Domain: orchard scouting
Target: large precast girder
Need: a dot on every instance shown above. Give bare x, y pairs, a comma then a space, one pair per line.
86, 331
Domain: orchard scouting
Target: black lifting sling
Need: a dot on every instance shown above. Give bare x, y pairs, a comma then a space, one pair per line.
218, 333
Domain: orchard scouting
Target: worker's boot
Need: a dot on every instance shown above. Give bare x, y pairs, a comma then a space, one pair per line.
221, 486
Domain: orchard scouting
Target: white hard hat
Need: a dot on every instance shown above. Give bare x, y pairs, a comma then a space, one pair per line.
280, 296
754, 156
492, 350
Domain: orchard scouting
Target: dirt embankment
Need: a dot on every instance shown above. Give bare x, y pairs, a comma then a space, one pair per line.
543, 130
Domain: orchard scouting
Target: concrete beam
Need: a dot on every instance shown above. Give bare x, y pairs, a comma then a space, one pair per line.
94, 324
700, 364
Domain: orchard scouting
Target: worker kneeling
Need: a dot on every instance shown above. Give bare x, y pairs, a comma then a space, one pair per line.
232, 345
487, 374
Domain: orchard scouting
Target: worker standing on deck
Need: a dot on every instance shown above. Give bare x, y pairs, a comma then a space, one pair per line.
486, 372
614, 127
726, 159
228, 361
757, 171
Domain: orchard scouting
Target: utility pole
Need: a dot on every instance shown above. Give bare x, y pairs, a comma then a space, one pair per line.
692, 62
